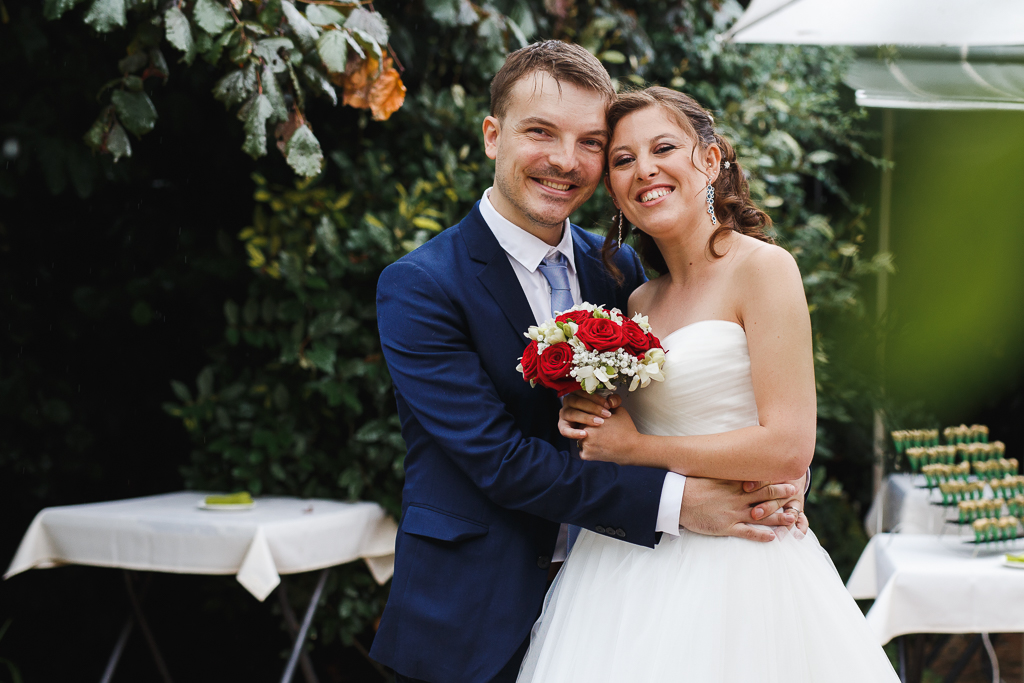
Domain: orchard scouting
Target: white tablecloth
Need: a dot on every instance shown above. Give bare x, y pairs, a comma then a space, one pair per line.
900, 503
169, 533
932, 584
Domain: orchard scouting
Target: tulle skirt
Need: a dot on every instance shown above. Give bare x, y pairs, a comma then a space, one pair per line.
702, 609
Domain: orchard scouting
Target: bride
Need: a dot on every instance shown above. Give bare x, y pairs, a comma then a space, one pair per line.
738, 403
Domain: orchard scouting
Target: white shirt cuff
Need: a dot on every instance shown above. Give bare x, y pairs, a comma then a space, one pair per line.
671, 503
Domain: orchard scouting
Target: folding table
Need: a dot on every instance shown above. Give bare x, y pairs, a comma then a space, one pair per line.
173, 533
939, 584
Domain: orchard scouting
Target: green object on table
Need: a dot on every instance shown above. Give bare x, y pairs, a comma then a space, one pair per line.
240, 498
1016, 558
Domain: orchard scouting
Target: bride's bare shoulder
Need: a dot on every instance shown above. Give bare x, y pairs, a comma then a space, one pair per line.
642, 296
759, 262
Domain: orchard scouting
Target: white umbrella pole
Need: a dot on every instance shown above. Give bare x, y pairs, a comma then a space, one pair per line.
888, 124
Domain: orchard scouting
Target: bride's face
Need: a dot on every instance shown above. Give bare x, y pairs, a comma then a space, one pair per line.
655, 174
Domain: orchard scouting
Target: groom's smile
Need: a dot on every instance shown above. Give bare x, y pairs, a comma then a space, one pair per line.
549, 153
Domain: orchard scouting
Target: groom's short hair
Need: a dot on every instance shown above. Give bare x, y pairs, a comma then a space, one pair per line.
563, 61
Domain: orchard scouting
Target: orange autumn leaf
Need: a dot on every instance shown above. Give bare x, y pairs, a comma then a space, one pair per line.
387, 94
358, 81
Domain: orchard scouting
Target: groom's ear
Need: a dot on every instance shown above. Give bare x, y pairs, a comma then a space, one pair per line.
492, 127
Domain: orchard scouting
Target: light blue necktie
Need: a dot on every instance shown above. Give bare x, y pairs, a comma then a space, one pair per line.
556, 271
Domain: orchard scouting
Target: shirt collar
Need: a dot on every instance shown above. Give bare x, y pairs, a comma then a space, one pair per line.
525, 248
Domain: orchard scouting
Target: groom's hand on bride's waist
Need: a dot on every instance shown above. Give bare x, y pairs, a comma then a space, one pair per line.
717, 507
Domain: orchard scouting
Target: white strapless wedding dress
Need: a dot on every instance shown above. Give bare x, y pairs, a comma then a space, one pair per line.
701, 609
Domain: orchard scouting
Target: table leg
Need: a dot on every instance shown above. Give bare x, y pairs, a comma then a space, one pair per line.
115, 656
293, 628
300, 639
987, 641
144, 627
910, 652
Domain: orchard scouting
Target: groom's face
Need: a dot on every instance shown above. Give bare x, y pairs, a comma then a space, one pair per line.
549, 153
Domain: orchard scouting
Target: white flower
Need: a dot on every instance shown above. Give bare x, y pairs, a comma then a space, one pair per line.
641, 320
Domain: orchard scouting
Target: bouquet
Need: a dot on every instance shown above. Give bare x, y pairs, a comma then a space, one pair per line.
592, 348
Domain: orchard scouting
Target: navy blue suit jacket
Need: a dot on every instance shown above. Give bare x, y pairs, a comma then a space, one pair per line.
487, 476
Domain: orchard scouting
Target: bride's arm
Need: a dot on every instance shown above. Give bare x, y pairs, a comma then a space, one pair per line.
774, 314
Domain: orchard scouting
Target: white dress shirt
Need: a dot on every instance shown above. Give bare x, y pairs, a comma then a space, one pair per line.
525, 252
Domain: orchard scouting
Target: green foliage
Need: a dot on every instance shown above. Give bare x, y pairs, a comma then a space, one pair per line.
296, 399
248, 43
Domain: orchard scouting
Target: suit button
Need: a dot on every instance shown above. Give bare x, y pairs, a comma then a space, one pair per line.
599, 529
620, 533
543, 562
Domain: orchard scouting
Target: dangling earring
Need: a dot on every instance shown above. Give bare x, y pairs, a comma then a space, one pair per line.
711, 202
619, 219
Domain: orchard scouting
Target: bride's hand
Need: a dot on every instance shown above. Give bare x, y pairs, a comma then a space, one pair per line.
581, 410
613, 441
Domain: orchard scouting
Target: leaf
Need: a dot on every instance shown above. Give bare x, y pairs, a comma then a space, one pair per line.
106, 15
387, 94
117, 142
133, 62
179, 33
358, 84
212, 17
231, 312
259, 110
370, 23
354, 44
322, 358
323, 15
452, 12
97, 133
517, 32
613, 57
303, 153
181, 391
333, 49
135, 110
319, 83
303, 30
283, 131
821, 156
273, 92
269, 49
364, 39
158, 65
204, 382
427, 223
327, 237
236, 87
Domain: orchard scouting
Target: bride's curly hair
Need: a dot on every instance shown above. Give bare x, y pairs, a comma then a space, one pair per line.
733, 207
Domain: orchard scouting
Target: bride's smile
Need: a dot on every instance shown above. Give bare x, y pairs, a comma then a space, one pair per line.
654, 173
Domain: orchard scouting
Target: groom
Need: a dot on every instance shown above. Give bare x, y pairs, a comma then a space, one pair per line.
488, 477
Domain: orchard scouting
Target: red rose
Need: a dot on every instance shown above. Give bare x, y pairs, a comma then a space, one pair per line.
655, 343
530, 361
575, 316
600, 334
553, 368
635, 338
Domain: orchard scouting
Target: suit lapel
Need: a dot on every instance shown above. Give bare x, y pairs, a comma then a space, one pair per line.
496, 275
596, 286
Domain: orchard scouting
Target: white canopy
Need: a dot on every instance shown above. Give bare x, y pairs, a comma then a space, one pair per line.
948, 23
950, 54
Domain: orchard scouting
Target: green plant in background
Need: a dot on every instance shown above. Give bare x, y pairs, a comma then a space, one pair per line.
296, 400
273, 57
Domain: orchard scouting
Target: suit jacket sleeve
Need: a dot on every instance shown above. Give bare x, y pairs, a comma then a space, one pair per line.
436, 370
